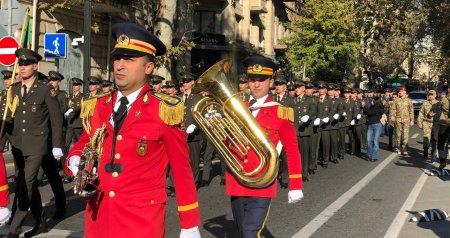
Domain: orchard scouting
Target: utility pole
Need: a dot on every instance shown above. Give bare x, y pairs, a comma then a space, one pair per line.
87, 44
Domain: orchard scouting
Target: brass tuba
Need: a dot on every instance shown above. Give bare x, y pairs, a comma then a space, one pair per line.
236, 127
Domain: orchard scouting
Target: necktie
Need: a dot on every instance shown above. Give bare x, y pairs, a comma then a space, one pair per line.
119, 116
24, 91
186, 97
251, 102
278, 98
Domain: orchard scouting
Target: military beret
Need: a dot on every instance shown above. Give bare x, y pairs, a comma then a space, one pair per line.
259, 67
106, 83
135, 41
93, 80
186, 77
156, 79
41, 76
321, 84
7, 74
77, 81
170, 84
27, 56
54, 76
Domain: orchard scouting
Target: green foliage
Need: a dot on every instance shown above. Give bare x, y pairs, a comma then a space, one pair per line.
325, 39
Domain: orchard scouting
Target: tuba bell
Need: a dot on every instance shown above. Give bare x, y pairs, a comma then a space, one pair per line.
235, 128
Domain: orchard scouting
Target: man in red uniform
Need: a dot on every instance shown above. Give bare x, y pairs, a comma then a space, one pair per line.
142, 137
250, 206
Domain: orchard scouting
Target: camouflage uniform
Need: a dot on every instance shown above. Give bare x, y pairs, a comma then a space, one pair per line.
427, 122
403, 111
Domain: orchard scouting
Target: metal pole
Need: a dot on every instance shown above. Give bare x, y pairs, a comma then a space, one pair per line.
33, 30
87, 44
10, 17
108, 55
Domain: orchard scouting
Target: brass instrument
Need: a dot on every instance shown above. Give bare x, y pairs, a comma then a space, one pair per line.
236, 128
85, 184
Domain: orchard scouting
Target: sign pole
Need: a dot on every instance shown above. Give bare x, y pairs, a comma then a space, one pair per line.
87, 44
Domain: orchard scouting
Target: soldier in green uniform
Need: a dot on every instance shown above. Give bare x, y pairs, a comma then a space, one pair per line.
323, 121
72, 115
156, 82
171, 88
305, 111
425, 120
335, 112
341, 123
348, 122
314, 137
107, 86
94, 86
8, 127
37, 118
244, 93
291, 89
54, 79
402, 114
444, 128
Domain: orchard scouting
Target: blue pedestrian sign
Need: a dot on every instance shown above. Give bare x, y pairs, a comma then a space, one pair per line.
55, 45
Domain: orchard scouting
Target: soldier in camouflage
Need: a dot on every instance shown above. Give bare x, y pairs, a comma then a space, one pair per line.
425, 120
402, 115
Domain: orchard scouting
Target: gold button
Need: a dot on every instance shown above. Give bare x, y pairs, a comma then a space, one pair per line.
115, 174
23, 130
119, 137
117, 156
112, 194
23, 121
24, 104
23, 112
152, 202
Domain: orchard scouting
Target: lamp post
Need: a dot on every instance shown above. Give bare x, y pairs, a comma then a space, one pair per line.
87, 44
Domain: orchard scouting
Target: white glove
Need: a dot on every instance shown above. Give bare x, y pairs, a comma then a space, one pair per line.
304, 118
358, 116
326, 119
336, 116
193, 232
344, 114
317, 122
352, 122
295, 196
66, 114
74, 161
190, 128
57, 153
5, 214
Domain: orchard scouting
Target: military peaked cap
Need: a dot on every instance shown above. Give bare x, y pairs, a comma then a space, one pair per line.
94, 80
106, 83
27, 56
53, 76
135, 41
259, 67
7, 74
186, 77
77, 81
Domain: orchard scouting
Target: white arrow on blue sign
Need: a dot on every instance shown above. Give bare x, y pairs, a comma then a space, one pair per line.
55, 45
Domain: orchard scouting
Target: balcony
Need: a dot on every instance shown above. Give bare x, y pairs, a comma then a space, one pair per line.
258, 6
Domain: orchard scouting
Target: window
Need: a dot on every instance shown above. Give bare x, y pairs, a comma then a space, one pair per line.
205, 21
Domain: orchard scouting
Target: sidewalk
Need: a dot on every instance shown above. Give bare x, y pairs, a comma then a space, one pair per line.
435, 193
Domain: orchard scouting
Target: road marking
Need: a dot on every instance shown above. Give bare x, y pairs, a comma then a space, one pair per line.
332, 209
415, 136
399, 220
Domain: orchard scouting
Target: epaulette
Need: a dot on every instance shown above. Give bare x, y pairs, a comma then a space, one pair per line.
87, 109
285, 113
171, 108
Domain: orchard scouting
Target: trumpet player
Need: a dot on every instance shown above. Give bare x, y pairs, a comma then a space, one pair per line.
250, 206
141, 137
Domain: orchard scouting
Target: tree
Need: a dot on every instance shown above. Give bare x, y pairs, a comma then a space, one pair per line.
325, 39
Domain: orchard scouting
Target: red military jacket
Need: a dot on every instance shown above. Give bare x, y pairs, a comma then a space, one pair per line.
278, 129
132, 203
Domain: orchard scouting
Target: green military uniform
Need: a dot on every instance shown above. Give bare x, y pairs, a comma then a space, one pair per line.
8, 127
444, 129
324, 115
349, 111
427, 122
305, 111
403, 111
36, 120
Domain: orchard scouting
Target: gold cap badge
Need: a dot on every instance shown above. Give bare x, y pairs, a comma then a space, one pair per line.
257, 68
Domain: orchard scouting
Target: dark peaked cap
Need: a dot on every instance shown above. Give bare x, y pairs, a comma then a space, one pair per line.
27, 56
259, 67
53, 75
135, 41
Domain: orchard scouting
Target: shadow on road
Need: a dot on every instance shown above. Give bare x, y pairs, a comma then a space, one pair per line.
221, 227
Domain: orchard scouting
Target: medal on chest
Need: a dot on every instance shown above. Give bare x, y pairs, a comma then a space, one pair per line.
141, 149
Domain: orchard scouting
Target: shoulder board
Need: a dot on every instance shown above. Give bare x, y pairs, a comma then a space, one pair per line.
170, 100
285, 113
171, 108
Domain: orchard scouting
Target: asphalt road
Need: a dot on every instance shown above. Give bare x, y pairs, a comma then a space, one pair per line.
354, 198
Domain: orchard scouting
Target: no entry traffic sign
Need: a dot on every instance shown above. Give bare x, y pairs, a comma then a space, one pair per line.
8, 45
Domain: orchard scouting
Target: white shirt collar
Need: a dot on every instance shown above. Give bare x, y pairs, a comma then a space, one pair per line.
131, 98
259, 101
